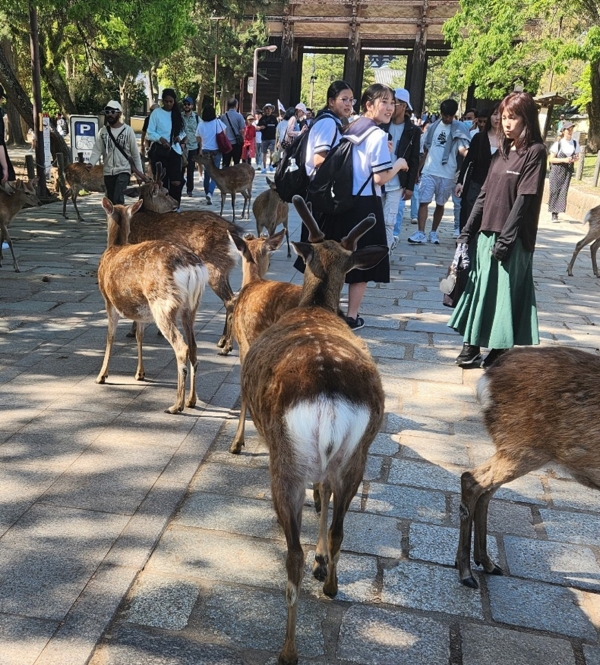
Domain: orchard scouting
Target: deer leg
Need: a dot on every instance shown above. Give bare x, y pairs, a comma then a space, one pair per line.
233, 204
480, 554
187, 318
319, 570
165, 320
288, 505
74, 198
578, 247
287, 237
140, 373
222, 201
594, 251
6, 237
219, 283
133, 329
113, 319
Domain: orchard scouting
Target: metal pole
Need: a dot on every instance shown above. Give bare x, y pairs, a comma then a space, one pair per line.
36, 77
216, 65
254, 81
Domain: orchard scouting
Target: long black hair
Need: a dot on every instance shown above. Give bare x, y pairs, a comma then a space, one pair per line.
375, 92
208, 113
484, 149
176, 118
334, 90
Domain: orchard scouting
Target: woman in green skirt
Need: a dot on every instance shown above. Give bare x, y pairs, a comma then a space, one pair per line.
497, 309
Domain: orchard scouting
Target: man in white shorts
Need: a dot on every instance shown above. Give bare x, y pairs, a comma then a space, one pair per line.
445, 140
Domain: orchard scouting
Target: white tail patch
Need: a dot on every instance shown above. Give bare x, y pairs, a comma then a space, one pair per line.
190, 281
319, 429
483, 392
588, 217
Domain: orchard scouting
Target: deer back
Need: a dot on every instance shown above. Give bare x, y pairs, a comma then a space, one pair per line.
78, 176
270, 210
23, 195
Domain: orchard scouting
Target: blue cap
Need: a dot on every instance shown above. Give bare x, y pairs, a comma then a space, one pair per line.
188, 100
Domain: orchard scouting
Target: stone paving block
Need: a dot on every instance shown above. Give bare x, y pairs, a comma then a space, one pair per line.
23, 639
136, 646
503, 517
578, 528
255, 619
438, 544
540, 606
374, 337
47, 558
431, 354
487, 644
592, 655
373, 468
395, 423
162, 602
250, 482
560, 563
428, 476
422, 371
372, 534
374, 636
431, 588
434, 448
570, 494
383, 444
387, 351
406, 503
357, 578
527, 489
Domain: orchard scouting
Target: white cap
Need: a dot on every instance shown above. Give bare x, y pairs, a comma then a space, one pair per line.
403, 95
301, 107
114, 104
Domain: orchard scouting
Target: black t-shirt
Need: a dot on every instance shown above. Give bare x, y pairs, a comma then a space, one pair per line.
145, 125
269, 122
519, 174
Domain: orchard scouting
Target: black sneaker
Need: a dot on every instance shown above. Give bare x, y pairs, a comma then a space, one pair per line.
555, 217
492, 356
469, 356
356, 323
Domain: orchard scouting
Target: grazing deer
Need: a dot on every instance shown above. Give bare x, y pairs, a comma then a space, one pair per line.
204, 232
80, 176
539, 406
156, 281
593, 218
259, 303
23, 196
233, 179
315, 396
270, 211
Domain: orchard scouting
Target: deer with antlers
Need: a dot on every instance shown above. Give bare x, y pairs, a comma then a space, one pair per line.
230, 180
13, 199
315, 396
157, 281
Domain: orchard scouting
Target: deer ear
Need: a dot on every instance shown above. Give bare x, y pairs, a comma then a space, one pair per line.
370, 256
240, 243
274, 241
108, 206
303, 249
132, 209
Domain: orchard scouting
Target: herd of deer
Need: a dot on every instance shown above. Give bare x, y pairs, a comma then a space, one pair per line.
310, 384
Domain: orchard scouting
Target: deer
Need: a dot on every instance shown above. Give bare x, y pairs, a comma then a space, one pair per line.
539, 406
233, 179
259, 304
155, 280
315, 396
23, 195
270, 211
204, 232
592, 217
81, 176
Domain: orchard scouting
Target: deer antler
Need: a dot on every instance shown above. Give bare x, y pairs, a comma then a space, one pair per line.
314, 232
349, 242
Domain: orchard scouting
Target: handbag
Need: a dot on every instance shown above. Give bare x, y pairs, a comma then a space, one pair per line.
223, 143
454, 284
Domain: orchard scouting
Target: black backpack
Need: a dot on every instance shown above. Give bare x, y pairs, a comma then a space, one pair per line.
291, 183
330, 191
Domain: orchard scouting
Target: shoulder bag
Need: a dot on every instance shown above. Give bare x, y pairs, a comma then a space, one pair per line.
223, 143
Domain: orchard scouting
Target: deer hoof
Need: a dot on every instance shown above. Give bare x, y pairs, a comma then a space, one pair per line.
284, 660
221, 343
174, 410
496, 570
330, 590
140, 377
131, 333
101, 379
236, 447
191, 403
226, 350
319, 570
471, 582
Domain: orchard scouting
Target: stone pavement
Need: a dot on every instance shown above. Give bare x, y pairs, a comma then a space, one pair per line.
131, 536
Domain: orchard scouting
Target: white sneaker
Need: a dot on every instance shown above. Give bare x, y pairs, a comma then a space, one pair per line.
456, 233
414, 220
394, 244
209, 199
418, 238
433, 238
5, 245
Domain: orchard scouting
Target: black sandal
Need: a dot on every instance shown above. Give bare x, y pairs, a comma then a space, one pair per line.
356, 323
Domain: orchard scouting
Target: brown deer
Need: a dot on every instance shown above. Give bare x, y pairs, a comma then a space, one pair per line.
259, 303
233, 179
593, 218
23, 196
270, 211
81, 176
315, 396
156, 281
539, 406
204, 232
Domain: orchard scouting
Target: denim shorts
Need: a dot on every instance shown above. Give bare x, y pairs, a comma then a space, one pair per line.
267, 145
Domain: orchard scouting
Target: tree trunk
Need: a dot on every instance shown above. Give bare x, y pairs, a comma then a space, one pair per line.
14, 90
124, 94
15, 134
593, 108
57, 85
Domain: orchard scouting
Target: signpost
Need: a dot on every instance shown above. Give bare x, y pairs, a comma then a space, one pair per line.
84, 129
47, 152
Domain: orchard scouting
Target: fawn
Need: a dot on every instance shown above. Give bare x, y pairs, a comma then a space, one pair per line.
23, 195
80, 176
593, 218
270, 211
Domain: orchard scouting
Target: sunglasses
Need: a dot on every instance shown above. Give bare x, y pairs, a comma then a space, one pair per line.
111, 111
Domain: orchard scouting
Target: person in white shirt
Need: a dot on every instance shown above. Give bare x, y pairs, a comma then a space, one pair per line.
116, 148
207, 144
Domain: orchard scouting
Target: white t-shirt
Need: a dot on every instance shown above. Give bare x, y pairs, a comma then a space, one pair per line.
258, 138
324, 135
433, 161
566, 147
208, 131
370, 156
396, 131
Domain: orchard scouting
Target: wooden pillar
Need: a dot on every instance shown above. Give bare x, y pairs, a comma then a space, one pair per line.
352, 60
471, 102
289, 65
417, 64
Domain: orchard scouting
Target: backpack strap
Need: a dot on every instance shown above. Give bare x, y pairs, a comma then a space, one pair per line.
139, 174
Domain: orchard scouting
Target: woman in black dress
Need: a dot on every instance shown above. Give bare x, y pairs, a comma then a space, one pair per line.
563, 155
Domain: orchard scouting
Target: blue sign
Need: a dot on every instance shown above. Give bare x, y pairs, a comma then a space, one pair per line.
84, 129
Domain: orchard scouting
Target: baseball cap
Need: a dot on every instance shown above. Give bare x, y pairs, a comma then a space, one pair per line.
301, 107
113, 104
271, 105
188, 100
568, 124
403, 95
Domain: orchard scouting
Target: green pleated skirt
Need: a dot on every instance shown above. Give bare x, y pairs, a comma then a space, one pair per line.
497, 309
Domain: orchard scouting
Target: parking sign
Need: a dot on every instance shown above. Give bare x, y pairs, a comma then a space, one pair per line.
84, 129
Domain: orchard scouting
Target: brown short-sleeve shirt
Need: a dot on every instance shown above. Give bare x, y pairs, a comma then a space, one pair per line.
519, 174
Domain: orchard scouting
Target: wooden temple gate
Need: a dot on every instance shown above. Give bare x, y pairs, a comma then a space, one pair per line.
356, 28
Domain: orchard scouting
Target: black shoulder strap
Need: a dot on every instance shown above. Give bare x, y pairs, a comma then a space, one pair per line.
120, 149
